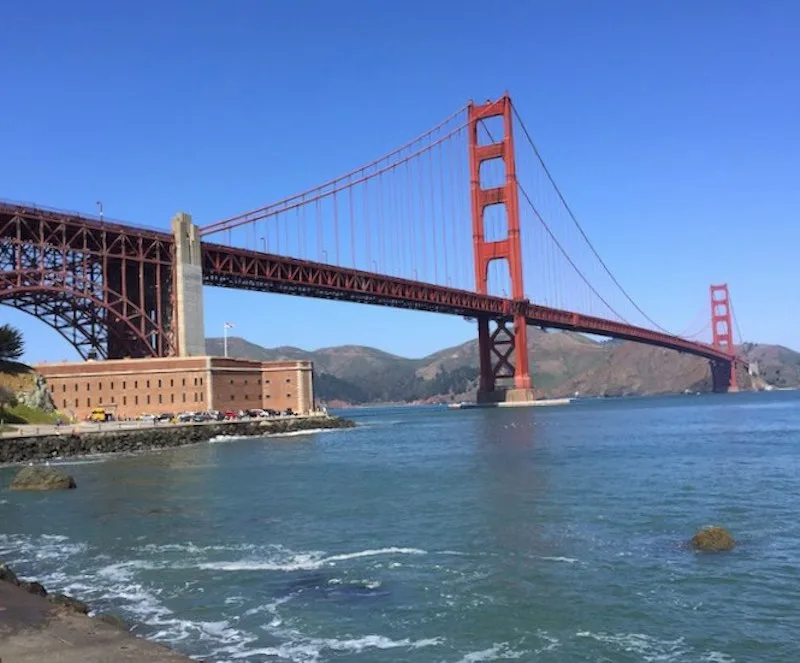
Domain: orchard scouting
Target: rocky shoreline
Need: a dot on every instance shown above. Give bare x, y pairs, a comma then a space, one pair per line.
15, 450
72, 604
36, 625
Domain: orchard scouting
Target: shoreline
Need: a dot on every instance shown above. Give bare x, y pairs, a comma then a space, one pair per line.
36, 625
73, 444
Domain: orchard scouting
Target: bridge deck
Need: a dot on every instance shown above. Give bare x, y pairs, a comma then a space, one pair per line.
231, 267
224, 266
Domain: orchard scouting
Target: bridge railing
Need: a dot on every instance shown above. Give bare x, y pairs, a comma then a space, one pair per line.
94, 218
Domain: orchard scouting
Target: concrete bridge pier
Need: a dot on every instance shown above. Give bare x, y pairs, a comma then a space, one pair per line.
723, 377
190, 333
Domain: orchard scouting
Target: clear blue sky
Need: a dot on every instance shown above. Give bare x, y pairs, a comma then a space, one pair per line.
672, 127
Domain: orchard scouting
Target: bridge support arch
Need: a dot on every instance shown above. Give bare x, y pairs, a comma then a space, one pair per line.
104, 287
502, 342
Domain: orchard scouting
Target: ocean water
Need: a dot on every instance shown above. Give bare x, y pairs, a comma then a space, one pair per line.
544, 534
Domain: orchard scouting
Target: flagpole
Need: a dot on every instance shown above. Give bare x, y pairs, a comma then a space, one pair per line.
225, 337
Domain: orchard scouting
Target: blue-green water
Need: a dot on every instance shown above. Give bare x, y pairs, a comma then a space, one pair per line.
433, 535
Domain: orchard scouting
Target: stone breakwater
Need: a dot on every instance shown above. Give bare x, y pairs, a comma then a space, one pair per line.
161, 436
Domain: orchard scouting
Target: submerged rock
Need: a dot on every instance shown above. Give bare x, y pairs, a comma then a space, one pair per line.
713, 539
37, 477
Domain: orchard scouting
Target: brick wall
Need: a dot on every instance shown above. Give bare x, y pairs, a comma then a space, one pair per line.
132, 387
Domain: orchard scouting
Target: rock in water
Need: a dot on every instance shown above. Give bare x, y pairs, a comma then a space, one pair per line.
713, 539
37, 477
8, 575
69, 603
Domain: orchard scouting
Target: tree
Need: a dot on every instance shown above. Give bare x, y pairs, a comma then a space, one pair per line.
12, 345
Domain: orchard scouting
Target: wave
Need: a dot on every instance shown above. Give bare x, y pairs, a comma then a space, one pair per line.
309, 650
21, 548
310, 431
229, 438
647, 647
295, 433
566, 560
92, 459
501, 651
306, 561
193, 549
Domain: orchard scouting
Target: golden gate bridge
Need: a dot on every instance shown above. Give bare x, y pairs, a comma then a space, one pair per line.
460, 220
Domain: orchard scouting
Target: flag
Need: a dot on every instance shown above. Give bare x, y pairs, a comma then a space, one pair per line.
228, 325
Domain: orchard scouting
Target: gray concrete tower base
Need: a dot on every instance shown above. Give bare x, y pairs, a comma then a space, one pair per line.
188, 287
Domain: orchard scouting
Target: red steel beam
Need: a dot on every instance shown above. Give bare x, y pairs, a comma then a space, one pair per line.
229, 267
237, 268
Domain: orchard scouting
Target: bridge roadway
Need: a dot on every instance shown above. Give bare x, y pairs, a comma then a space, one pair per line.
231, 267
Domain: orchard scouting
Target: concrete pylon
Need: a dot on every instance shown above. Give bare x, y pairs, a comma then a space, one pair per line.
188, 287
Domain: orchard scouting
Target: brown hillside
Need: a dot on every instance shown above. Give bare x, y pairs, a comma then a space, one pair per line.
778, 366
561, 364
634, 369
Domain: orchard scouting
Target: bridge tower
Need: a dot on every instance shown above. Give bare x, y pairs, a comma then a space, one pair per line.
723, 373
188, 287
503, 350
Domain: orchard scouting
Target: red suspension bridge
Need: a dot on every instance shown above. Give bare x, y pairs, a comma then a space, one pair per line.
456, 221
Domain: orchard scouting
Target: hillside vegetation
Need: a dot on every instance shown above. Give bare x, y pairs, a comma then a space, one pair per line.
562, 363
23, 398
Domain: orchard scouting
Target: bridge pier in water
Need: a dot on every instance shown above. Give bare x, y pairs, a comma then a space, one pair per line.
723, 377
500, 360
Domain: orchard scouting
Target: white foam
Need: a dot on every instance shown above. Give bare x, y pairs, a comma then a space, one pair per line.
300, 562
305, 561
193, 549
229, 438
647, 647
54, 537
309, 650
499, 651
718, 657
566, 560
85, 460
309, 431
373, 553
39, 548
552, 643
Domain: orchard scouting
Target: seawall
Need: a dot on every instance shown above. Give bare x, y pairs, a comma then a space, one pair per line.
161, 436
